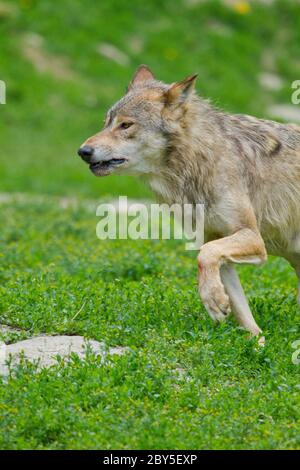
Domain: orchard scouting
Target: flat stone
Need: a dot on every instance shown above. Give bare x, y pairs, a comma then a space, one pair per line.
45, 349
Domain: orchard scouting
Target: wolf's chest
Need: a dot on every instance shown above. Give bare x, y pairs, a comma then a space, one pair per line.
164, 190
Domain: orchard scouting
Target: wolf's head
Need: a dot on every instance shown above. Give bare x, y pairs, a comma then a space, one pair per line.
137, 130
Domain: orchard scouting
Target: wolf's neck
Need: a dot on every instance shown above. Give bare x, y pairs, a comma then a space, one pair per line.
187, 173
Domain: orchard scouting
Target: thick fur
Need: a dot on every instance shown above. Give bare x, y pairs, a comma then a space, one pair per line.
246, 171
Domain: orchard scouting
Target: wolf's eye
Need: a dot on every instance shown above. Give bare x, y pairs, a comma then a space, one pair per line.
125, 125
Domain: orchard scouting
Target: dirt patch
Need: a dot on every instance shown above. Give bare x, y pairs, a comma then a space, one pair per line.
33, 49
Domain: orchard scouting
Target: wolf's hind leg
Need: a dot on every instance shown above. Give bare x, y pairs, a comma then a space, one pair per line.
294, 260
298, 275
239, 304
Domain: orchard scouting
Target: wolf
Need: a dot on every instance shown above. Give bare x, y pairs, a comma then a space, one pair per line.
244, 170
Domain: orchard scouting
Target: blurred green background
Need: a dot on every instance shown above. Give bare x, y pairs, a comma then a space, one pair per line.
65, 63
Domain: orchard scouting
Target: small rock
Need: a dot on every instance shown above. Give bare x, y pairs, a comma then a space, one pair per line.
288, 112
113, 53
270, 81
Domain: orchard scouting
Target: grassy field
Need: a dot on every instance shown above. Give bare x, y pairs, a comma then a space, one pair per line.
184, 383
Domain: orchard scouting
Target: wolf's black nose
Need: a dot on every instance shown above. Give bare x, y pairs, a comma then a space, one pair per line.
86, 152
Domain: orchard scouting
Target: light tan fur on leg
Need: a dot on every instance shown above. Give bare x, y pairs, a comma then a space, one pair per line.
294, 259
244, 246
238, 301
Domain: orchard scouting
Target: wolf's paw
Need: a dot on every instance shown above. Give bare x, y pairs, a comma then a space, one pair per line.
215, 299
261, 341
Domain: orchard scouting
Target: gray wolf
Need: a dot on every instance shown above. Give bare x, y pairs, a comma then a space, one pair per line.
246, 171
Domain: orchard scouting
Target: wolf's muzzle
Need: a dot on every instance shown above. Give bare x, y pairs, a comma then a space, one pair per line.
86, 153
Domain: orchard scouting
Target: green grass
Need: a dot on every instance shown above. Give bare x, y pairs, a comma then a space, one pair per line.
143, 295
185, 383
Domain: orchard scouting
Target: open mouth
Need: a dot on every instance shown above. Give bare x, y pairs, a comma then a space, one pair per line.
103, 166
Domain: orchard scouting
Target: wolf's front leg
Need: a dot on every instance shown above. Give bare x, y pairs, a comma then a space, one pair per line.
244, 246
238, 301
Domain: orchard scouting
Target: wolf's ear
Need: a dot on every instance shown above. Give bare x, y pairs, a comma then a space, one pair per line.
179, 92
143, 74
